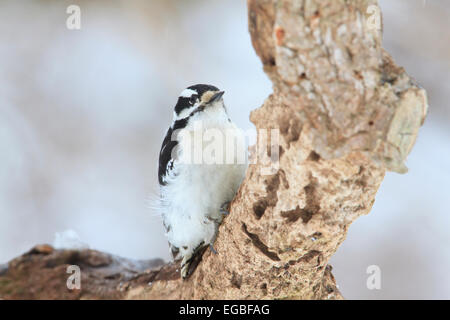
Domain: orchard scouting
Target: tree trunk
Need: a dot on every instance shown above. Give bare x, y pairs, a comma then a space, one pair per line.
345, 114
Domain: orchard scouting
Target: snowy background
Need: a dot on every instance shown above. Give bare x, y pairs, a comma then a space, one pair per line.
83, 113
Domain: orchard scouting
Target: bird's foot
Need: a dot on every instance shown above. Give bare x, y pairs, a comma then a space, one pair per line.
185, 266
190, 261
211, 247
225, 208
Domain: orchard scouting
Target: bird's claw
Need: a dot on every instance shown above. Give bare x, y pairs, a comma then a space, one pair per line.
224, 208
185, 267
211, 247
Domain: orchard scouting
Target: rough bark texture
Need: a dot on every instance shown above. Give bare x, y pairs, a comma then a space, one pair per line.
42, 273
346, 113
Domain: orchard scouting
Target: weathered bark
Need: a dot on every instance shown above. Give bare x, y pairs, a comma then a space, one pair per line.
346, 113
42, 273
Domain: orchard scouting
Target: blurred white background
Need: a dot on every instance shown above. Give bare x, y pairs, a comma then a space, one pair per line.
83, 113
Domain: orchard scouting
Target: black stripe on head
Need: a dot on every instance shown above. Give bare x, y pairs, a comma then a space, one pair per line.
185, 102
202, 88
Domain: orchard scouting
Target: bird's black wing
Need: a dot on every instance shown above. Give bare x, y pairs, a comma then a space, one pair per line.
165, 157
166, 154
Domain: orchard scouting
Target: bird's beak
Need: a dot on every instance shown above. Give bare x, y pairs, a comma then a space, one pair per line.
216, 97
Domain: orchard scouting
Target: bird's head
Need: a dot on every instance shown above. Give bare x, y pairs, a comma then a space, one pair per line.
197, 99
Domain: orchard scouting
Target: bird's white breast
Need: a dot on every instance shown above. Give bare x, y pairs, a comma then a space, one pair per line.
195, 190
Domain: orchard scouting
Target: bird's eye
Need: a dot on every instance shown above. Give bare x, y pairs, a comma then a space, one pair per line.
193, 100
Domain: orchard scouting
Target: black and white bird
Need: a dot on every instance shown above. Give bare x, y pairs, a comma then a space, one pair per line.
195, 190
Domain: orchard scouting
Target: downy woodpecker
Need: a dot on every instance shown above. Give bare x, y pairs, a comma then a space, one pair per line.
201, 166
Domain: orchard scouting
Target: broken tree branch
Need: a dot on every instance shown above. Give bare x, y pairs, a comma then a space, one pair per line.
346, 114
